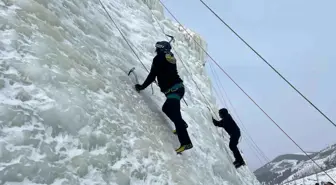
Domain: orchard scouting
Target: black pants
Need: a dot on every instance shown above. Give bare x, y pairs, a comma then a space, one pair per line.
233, 147
172, 108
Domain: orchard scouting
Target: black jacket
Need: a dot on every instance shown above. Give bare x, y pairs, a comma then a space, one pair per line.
164, 68
228, 124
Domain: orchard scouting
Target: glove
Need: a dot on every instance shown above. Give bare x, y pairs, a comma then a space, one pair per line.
215, 122
138, 87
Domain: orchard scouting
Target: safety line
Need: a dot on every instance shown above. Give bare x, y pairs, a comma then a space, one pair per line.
179, 56
284, 132
115, 24
254, 145
275, 70
237, 116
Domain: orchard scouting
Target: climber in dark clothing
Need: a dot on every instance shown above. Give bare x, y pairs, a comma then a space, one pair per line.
233, 130
165, 70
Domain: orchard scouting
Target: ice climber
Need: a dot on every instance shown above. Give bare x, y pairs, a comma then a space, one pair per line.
233, 130
165, 70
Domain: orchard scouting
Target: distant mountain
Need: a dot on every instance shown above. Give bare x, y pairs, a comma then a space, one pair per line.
279, 169
294, 166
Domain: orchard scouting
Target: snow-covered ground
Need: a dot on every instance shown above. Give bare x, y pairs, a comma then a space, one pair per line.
308, 167
68, 111
312, 179
283, 165
301, 153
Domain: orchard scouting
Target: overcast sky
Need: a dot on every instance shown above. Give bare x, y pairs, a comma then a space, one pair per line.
297, 38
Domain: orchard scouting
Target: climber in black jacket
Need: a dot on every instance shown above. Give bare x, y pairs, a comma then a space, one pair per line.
165, 70
233, 130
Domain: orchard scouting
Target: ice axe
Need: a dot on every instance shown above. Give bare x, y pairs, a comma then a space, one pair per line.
136, 77
171, 38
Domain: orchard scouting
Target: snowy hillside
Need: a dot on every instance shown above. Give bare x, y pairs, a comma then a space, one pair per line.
286, 168
279, 168
69, 113
326, 158
312, 179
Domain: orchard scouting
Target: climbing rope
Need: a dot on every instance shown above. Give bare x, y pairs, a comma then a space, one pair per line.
253, 144
128, 43
255, 152
262, 58
190, 74
284, 132
179, 56
199, 88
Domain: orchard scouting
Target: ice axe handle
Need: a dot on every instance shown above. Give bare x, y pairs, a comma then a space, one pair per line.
135, 76
171, 38
131, 71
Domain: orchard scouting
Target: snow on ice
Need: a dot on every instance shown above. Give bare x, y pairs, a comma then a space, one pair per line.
69, 113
